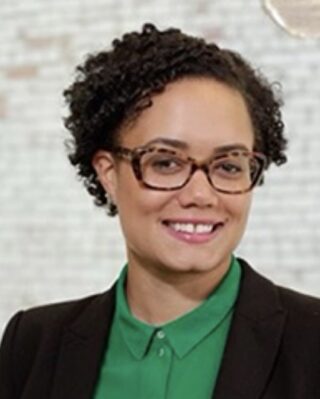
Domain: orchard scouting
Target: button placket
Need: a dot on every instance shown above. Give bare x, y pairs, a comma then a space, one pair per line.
160, 335
158, 366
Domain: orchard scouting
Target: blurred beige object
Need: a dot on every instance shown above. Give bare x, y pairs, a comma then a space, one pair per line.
298, 17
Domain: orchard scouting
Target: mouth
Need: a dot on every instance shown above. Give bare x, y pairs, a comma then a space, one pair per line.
197, 232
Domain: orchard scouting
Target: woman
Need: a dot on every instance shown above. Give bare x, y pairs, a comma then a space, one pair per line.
171, 133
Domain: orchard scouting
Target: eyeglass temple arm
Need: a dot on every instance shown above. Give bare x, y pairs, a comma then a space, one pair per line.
124, 152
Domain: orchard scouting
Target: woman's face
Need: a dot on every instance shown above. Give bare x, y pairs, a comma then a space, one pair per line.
202, 115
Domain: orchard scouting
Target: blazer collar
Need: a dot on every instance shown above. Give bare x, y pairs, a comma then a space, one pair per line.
253, 340
81, 350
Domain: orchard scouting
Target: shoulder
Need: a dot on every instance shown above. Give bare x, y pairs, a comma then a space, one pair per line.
34, 337
303, 317
30, 327
61, 313
298, 302
299, 307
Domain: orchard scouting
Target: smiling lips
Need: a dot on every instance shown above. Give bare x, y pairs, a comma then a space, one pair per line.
193, 232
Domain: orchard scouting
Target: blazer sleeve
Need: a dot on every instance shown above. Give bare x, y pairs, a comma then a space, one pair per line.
7, 383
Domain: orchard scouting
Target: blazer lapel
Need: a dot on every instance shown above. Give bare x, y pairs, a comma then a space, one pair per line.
253, 341
82, 349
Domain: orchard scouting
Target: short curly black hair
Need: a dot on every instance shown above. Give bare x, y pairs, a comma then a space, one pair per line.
114, 87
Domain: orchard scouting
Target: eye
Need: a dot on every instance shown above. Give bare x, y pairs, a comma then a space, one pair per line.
229, 169
165, 164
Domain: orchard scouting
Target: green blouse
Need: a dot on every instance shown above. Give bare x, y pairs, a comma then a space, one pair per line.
179, 359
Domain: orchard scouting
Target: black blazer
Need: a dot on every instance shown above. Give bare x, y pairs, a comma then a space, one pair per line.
272, 352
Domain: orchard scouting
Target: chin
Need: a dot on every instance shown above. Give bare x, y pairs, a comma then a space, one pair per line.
196, 265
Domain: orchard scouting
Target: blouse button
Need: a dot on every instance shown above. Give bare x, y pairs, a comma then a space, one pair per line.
161, 334
161, 352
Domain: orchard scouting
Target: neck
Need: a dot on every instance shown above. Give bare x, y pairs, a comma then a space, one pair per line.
157, 298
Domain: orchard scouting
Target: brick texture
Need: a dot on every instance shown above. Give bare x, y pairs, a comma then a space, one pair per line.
54, 244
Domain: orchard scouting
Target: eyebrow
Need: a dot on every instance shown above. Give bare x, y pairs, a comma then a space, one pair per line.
182, 145
170, 142
231, 147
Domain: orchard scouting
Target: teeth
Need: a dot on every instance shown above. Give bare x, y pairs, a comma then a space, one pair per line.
204, 228
192, 228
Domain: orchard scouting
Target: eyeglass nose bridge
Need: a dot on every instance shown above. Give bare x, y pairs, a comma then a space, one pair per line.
199, 166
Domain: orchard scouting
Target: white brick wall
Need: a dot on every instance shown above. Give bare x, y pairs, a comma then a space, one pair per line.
54, 244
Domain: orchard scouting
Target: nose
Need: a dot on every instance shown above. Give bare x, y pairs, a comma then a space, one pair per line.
198, 192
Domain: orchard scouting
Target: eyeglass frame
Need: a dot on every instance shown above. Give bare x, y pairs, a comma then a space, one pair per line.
134, 156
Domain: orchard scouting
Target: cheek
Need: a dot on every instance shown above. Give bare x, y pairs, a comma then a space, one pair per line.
239, 207
140, 211
134, 200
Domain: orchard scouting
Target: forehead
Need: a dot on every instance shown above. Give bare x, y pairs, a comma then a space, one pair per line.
201, 112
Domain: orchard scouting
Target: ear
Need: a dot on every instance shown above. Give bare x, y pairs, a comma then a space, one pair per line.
104, 164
